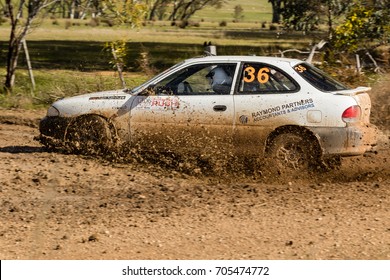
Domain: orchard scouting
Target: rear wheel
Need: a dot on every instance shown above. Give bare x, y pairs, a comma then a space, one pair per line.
291, 154
89, 135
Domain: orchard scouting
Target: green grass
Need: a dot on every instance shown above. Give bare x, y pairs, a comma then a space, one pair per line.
253, 11
89, 55
54, 84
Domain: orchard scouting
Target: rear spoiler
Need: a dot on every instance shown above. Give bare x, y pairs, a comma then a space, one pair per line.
352, 92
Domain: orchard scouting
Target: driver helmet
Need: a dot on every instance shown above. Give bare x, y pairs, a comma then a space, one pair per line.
218, 76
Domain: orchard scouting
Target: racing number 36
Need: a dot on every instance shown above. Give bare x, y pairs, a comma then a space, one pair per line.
262, 75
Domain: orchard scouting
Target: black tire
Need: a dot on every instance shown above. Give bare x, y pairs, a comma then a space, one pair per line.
89, 135
291, 154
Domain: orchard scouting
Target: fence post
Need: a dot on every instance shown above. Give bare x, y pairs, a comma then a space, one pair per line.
30, 72
358, 67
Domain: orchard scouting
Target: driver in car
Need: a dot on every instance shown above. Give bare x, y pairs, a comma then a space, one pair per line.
220, 81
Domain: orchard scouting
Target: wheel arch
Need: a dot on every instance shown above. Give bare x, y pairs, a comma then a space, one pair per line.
300, 130
75, 119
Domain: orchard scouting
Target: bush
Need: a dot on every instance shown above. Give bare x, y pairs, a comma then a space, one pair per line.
94, 22
183, 24
108, 22
68, 24
223, 23
195, 24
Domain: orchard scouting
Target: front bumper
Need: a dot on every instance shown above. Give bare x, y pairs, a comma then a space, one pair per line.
52, 130
347, 141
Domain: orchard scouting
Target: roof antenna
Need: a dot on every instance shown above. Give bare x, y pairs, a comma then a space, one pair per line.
209, 49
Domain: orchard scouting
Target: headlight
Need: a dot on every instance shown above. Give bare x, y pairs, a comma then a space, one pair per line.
52, 112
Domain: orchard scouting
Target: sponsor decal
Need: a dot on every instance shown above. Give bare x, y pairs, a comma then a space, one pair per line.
283, 109
115, 97
243, 119
159, 103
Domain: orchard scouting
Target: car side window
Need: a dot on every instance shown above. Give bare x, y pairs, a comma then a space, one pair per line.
261, 78
318, 78
199, 79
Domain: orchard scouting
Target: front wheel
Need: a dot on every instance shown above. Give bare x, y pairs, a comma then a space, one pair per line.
291, 154
90, 135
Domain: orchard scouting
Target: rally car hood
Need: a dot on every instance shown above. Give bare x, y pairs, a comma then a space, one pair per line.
105, 101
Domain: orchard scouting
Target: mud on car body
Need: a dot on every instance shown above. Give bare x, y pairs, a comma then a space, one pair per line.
285, 110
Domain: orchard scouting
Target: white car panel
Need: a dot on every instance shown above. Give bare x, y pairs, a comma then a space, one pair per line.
168, 121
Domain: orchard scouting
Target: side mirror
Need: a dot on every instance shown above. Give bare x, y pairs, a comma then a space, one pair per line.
153, 90
150, 90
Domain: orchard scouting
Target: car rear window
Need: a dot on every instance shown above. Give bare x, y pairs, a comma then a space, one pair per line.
318, 78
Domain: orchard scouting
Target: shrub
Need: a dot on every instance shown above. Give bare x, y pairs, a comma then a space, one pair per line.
183, 24
94, 22
223, 23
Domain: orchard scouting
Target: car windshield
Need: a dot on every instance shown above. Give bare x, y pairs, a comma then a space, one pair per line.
151, 81
318, 78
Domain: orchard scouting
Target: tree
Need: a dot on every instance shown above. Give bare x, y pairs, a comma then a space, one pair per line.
184, 9
364, 25
158, 9
308, 15
238, 13
276, 9
118, 51
180, 9
130, 12
19, 28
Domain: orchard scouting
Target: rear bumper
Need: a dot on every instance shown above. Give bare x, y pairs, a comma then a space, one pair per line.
347, 141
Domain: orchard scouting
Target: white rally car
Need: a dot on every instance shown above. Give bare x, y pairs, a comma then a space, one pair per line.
285, 111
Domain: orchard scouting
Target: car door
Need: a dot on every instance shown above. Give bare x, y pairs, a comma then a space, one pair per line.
184, 111
261, 94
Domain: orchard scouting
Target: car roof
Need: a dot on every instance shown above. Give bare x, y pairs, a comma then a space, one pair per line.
249, 58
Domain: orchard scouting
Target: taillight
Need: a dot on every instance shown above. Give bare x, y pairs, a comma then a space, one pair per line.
351, 114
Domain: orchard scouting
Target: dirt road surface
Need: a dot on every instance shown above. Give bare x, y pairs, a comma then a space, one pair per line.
62, 206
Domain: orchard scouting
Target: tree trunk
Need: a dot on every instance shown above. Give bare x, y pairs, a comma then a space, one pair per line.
14, 49
119, 67
176, 7
16, 38
330, 20
185, 13
153, 10
275, 10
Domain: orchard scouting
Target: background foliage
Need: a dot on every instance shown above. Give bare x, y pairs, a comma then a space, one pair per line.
159, 33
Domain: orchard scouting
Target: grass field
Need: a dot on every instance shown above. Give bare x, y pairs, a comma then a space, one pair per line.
78, 46
253, 11
68, 57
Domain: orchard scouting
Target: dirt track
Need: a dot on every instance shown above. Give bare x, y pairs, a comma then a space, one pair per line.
58, 206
